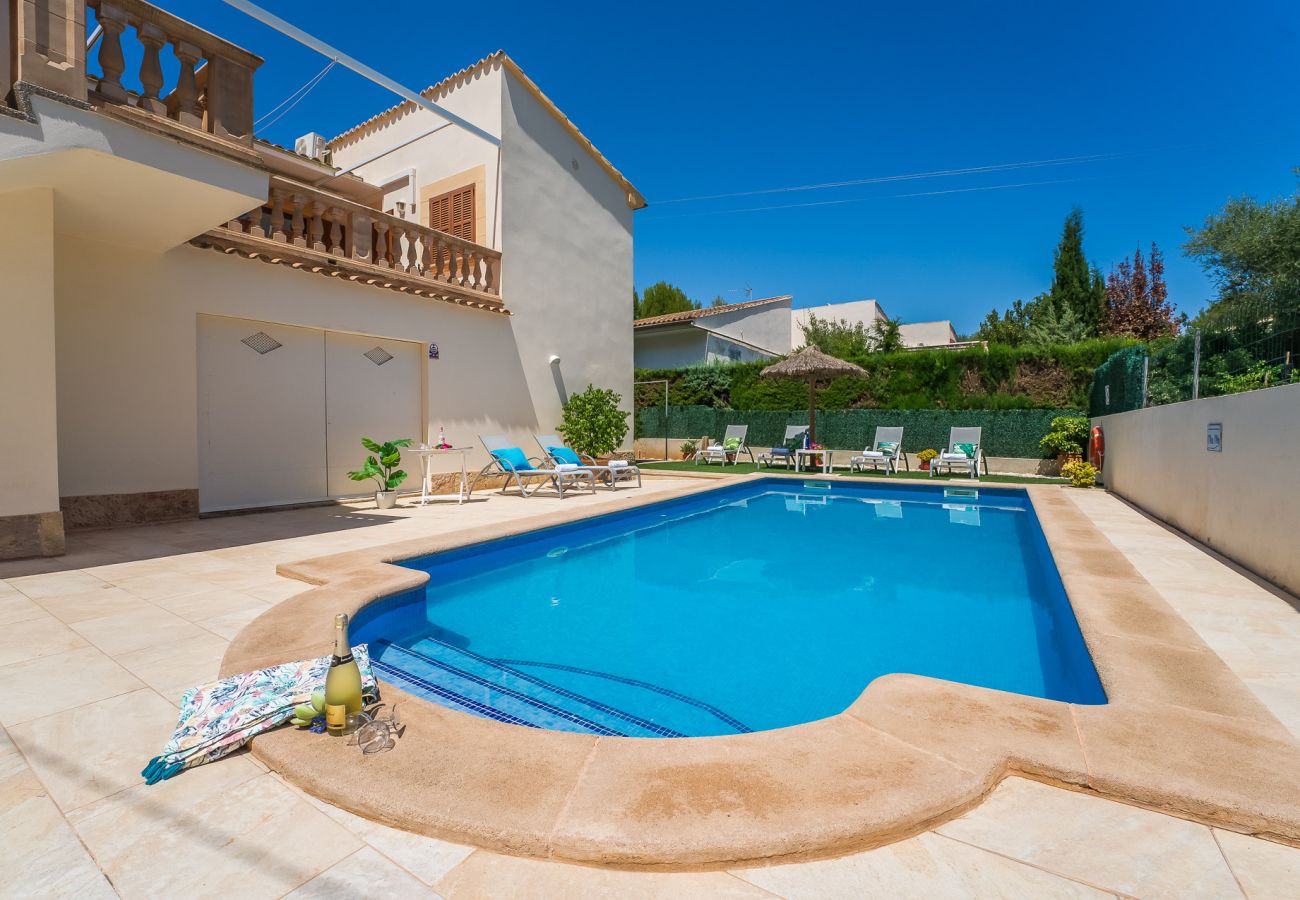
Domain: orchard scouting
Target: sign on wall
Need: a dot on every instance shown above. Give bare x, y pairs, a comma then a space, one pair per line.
1214, 437
433, 351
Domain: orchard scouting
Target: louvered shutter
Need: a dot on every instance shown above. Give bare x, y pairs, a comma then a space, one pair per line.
453, 213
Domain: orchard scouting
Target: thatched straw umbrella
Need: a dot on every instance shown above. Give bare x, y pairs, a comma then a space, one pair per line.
812, 366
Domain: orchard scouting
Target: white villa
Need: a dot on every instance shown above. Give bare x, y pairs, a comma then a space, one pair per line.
761, 329
195, 320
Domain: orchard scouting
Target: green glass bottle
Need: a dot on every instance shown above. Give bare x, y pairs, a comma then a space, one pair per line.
343, 683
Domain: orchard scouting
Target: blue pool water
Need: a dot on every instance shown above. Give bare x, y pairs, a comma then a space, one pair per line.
746, 608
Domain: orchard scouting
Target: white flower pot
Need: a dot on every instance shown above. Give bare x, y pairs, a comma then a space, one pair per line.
385, 499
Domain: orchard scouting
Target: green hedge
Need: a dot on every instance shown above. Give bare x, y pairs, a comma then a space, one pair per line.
1007, 432
1001, 378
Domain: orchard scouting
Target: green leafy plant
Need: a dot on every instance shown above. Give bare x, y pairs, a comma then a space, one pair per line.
927, 454
382, 464
1069, 435
688, 449
593, 423
1080, 473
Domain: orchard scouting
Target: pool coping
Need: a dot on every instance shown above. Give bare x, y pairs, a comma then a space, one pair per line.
1180, 734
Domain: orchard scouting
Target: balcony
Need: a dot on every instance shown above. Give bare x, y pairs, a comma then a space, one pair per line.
312, 218
322, 232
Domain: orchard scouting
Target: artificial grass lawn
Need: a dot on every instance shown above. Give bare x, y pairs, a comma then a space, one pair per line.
745, 468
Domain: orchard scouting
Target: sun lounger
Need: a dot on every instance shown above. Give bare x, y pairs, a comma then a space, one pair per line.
517, 468
963, 452
558, 454
735, 436
885, 451
785, 453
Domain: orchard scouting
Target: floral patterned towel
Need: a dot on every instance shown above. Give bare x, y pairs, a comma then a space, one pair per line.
221, 716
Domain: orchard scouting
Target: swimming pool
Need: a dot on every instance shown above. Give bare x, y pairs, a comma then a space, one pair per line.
751, 607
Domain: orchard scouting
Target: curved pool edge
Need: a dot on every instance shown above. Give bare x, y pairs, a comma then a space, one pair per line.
1181, 734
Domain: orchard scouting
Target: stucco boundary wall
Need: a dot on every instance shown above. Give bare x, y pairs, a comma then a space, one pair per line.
1243, 500
653, 449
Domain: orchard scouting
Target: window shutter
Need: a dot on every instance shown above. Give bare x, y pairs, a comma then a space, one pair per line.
453, 213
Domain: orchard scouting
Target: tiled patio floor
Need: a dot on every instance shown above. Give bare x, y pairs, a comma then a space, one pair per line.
96, 647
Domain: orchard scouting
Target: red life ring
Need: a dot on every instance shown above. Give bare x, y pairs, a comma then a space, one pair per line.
1097, 447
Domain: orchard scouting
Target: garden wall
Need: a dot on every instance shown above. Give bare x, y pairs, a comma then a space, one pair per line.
1007, 432
1240, 500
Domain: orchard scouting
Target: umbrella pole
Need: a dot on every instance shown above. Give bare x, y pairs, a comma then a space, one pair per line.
812, 409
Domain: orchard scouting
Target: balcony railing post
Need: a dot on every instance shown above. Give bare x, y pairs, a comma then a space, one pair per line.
361, 240
316, 230
151, 74
111, 62
277, 216
298, 234
187, 91
230, 99
381, 244
336, 231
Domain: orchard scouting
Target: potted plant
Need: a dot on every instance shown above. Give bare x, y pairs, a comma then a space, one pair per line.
381, 465
688, 449
816, 459
925, 456
593, 424
1067, 440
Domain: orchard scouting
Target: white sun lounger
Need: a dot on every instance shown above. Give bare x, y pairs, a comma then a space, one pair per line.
876, 456
952, 458
783, 453
718, 451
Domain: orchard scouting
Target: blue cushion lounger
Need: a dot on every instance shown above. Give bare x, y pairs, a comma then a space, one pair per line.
558, 454
526, 474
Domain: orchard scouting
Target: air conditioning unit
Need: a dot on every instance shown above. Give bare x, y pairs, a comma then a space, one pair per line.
311, 144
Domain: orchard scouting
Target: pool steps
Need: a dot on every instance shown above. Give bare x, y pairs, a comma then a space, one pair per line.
467, 681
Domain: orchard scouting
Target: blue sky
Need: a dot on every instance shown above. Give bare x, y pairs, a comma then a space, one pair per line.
1177, 107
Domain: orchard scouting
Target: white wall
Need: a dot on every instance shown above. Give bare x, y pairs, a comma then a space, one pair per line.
765, 326
28, 437
127, 338
927, 334
1241, 501
868, 312
669, 348
566, 244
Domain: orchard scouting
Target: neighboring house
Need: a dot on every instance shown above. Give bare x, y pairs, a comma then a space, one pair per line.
739, 332
868, 312
202, 321
916, 335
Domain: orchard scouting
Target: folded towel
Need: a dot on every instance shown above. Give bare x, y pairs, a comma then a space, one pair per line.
567, 467
618, 463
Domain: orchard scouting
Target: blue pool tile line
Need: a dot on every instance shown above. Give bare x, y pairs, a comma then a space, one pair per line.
533, 702
617, 713
698, 704
427, 688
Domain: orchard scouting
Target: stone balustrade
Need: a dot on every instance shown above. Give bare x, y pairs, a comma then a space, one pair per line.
306, 227
214, 85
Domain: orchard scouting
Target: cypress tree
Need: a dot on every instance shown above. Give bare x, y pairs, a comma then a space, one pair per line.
1076, 285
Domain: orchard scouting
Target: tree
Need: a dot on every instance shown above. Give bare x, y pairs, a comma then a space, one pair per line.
662, 298
1052, 322
592, 422
1011, 328
842, 339
886, 336
1075, 284
718, 301
1137, 299
1251, 250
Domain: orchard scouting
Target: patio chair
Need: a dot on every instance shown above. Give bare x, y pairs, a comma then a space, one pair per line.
734, 435
558, 454
885, 451
794, 435
963, 453
510, 462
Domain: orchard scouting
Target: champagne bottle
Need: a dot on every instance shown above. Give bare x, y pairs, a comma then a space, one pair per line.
343, 683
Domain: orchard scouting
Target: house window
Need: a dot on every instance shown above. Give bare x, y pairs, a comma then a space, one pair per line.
453, 213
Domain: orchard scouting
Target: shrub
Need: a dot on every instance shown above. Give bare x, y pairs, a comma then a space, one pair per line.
1080, 473
1069, 434
927, 454
593, 423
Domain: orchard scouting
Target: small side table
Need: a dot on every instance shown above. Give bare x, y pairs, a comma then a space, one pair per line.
426, 455
801, 456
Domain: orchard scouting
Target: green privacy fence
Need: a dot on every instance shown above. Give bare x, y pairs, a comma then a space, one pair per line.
1007, 432
1245, 347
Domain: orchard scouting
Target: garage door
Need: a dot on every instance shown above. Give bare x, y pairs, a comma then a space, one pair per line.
282, 409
